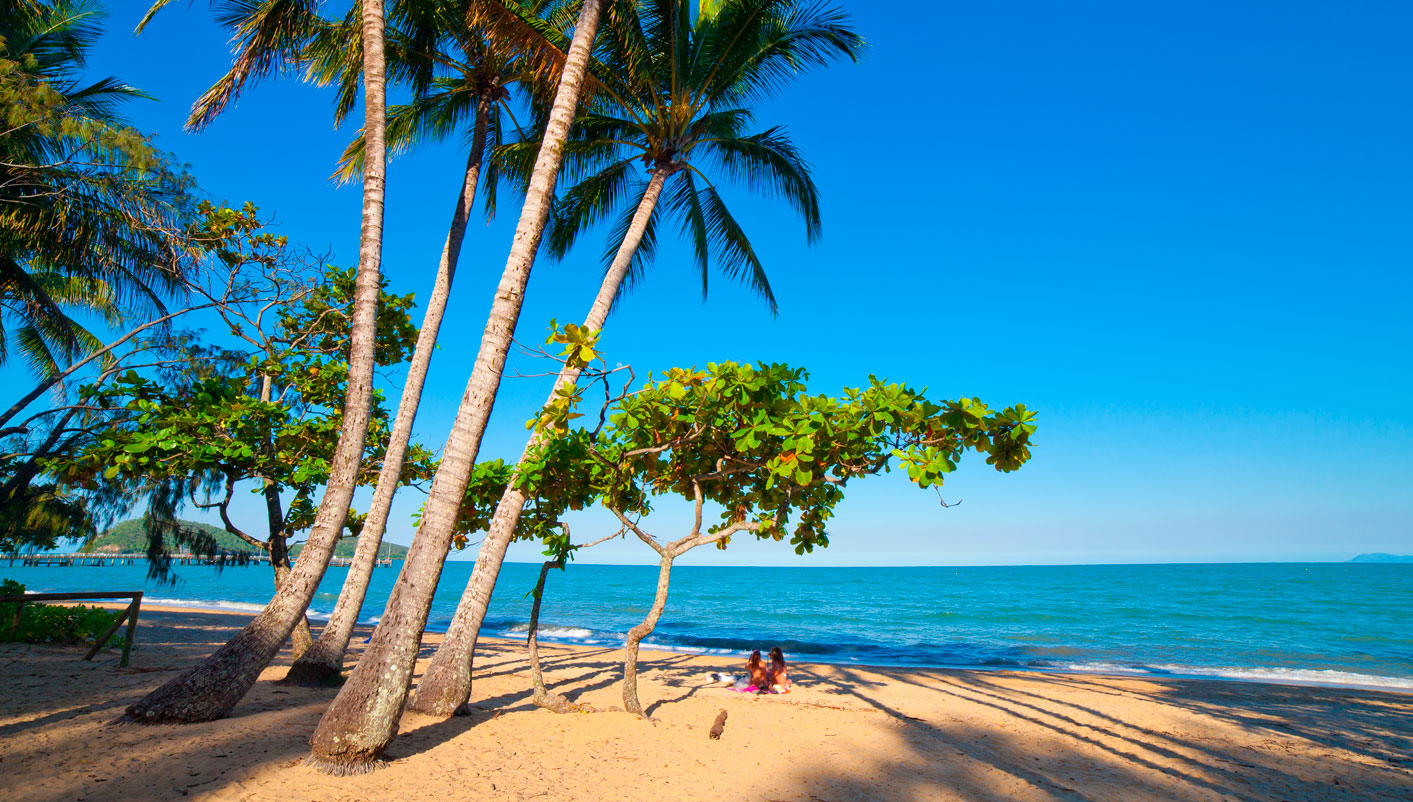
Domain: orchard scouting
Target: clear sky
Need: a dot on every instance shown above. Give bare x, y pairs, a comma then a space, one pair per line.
1181, 231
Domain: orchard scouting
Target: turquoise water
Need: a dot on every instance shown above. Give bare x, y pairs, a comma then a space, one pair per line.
1343, 623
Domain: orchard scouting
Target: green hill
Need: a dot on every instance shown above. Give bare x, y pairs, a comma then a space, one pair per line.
346, 547
130, 537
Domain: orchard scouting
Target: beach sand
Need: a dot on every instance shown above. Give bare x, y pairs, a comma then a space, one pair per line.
846, 733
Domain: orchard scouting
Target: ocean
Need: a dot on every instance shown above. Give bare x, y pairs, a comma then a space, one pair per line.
1327, 623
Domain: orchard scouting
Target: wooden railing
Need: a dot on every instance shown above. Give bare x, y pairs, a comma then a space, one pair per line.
129, 614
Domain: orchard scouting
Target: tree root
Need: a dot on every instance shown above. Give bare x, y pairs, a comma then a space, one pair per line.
313, 675
344, 768
131, 716
556, 703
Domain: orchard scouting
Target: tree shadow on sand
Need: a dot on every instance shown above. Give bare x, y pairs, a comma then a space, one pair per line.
1041, 743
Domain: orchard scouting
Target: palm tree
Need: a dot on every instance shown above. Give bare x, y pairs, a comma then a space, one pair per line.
363, 718
211, 689
90, 213
673, 103
477, 86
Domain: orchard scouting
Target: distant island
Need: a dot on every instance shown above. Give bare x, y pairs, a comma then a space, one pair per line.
130, 537
1383, 558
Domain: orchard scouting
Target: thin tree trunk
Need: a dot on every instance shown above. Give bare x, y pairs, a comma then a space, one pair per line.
637, 633
211, 689
323, 663
363, 718
300, 639
446, 685
542, 698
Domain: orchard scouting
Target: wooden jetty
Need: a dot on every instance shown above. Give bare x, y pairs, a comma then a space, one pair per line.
223, 559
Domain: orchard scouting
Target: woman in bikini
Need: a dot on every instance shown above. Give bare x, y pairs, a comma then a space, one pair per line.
756, 678
778, 677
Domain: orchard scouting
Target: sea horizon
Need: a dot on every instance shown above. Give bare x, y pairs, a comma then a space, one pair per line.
1284, 622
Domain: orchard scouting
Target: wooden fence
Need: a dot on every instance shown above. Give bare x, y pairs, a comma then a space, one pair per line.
129, 615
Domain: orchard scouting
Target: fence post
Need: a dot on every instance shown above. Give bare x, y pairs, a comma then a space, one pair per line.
132, 629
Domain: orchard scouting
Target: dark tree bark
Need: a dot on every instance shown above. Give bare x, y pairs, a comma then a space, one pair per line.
363, 719
300, 639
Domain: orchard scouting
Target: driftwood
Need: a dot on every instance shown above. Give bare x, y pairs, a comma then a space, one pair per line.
718, 727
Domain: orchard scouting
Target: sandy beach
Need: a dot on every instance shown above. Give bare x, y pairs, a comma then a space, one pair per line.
846, 733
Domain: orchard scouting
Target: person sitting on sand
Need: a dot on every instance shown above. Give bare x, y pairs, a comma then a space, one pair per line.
778, 677
756, 676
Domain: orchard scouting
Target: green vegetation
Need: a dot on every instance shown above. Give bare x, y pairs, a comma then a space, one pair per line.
131, 537
348, 545
60, 624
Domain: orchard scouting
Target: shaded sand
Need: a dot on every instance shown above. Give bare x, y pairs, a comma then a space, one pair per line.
846, 734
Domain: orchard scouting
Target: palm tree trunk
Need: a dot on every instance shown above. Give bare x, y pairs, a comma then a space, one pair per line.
363, 718
323, 663
211, 689
637, 633
446, 685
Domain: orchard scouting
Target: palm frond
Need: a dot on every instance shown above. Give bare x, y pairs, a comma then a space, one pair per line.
268, 35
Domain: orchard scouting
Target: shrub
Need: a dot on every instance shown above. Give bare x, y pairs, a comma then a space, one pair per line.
53, 623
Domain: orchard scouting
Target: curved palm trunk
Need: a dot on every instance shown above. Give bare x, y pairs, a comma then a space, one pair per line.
211, 689
446, 686
637, 633
322, 664
363, 718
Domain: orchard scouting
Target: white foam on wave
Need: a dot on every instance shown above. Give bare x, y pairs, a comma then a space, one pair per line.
207, 604
1280, 676
243, 607
564, 633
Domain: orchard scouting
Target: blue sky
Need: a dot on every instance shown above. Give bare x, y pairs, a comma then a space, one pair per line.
1181, 231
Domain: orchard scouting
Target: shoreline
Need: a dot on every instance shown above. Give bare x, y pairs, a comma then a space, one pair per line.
1399, 685
845, 734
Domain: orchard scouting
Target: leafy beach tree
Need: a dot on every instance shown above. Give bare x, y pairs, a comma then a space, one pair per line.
673, 103
266, 414
240, 276
211, 689
749, 441
363, 718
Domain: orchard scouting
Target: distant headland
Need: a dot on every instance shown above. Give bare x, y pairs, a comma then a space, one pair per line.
130, 537
1378, 557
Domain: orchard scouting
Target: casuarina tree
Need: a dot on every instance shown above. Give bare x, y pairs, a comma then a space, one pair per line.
90, 212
